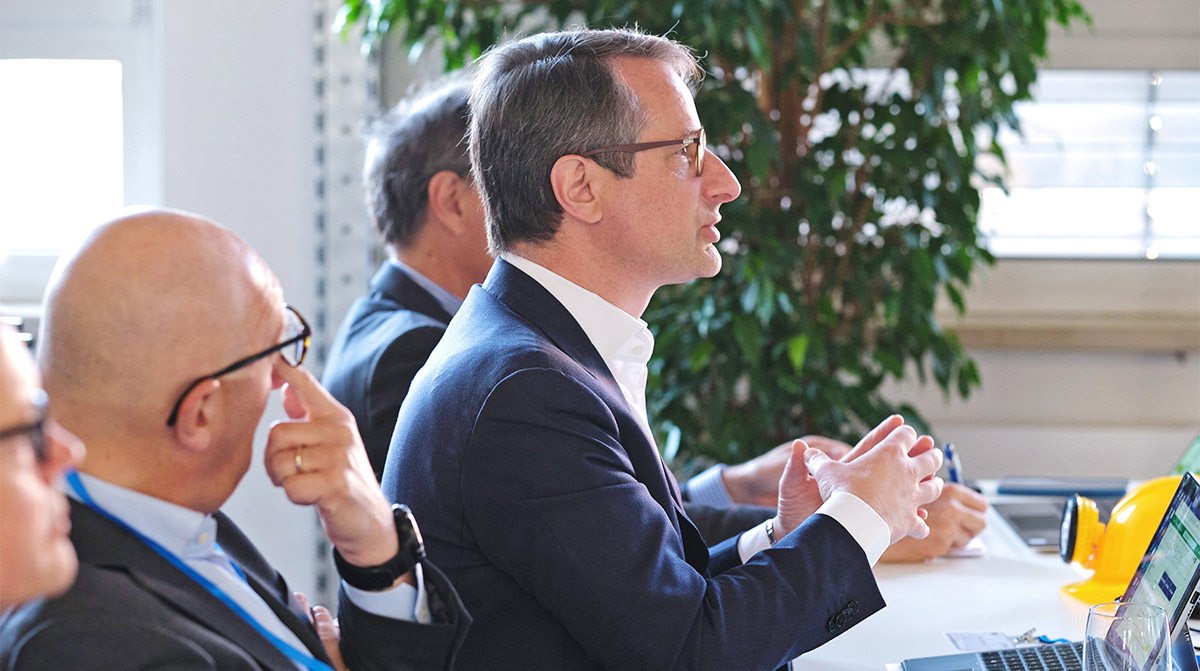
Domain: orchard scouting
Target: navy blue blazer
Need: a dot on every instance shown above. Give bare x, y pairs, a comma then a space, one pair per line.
131, 609
384, 340
550, 510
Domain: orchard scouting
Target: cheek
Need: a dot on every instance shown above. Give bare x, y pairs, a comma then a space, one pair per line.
36, 556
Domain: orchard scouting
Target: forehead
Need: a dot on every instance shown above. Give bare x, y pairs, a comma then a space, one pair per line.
663, 96
18, 379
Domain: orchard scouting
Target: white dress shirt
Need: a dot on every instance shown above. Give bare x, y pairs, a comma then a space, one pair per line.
625, 344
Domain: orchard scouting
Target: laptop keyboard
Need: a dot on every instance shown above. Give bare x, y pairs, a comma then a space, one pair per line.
1055, 657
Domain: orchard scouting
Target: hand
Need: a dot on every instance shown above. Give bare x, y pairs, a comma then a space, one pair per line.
318, 459
891, 469
327, 630
957, 516
757, 481
799, 496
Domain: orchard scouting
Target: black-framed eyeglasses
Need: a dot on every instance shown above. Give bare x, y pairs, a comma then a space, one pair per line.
698, 145
293, 349
36, 430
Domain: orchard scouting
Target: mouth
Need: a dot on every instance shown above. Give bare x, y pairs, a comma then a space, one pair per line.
710, 230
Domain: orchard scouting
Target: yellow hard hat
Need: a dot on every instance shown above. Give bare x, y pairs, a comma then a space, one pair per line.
1113, 552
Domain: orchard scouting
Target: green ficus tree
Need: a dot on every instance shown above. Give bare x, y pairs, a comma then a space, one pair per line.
856, 129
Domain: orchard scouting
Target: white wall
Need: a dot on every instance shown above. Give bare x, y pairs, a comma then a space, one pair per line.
238, 142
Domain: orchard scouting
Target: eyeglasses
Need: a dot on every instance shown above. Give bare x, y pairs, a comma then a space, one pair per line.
36, 430
292, 349
696, 155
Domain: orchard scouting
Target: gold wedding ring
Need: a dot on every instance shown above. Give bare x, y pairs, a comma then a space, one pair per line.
300, 459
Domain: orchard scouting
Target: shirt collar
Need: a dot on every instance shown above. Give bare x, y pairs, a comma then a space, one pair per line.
616, 334
187, 533
449, 302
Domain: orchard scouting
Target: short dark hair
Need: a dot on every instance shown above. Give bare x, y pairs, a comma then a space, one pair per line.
418, 138
546, 96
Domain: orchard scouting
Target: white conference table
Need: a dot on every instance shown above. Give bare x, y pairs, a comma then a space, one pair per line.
1011, 589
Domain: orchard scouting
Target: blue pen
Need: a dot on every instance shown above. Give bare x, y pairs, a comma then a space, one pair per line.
953, 465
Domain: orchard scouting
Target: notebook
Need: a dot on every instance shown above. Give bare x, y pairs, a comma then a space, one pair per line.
1039, 522
1167, 576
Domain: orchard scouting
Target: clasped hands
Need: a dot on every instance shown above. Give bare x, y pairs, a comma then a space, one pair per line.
891, 469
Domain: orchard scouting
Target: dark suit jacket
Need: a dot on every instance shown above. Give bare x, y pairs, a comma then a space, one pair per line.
131, 609
384, 340
550, 510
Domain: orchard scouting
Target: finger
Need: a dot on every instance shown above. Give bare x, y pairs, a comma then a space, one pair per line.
875, 436
923, 444
966, 496
307, 392
926, 462
919, 529
814, 459
284, 464
793, 474
304, 604
327, 627
929, 490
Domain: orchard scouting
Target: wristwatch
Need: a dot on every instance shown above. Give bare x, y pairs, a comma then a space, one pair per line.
381, 577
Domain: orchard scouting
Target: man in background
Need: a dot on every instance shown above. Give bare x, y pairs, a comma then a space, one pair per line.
163, 337
426, 209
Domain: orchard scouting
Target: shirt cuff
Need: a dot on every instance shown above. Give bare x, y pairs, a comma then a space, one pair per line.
708, 488
753, 541
402, 602
864, 524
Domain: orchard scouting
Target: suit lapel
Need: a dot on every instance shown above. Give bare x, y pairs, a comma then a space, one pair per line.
102, 543
529, 299
394, 284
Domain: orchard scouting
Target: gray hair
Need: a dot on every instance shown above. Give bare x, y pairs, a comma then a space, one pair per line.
418, 138
546, 96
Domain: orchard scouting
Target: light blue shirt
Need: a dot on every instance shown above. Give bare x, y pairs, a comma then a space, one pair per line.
192, 536
449, 302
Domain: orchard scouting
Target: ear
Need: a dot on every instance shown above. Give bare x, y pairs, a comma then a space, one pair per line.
576, 189
447, 201
194, 423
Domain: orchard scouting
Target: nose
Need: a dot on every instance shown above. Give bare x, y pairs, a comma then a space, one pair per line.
63, 450
719, 183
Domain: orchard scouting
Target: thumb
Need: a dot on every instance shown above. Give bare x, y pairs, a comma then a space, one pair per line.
815, 460
793, 474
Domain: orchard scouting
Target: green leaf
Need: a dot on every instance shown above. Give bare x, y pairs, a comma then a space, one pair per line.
797, 349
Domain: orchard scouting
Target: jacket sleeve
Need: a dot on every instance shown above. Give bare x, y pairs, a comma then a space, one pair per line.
552, 499
374, 643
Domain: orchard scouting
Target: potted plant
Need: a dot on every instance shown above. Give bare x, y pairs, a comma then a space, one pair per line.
856, 129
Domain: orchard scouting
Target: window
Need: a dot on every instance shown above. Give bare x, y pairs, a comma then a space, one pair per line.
60, 134
80, 129
1107, 166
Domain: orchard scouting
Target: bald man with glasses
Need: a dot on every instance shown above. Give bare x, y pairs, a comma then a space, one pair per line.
141, 326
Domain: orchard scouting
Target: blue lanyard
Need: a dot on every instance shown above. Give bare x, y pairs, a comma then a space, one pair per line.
302, 658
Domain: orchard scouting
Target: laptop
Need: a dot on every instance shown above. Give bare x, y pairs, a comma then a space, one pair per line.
1167, 576
1039, 522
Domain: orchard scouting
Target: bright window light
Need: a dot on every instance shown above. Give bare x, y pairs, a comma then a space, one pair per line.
61, 141
1108, 166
